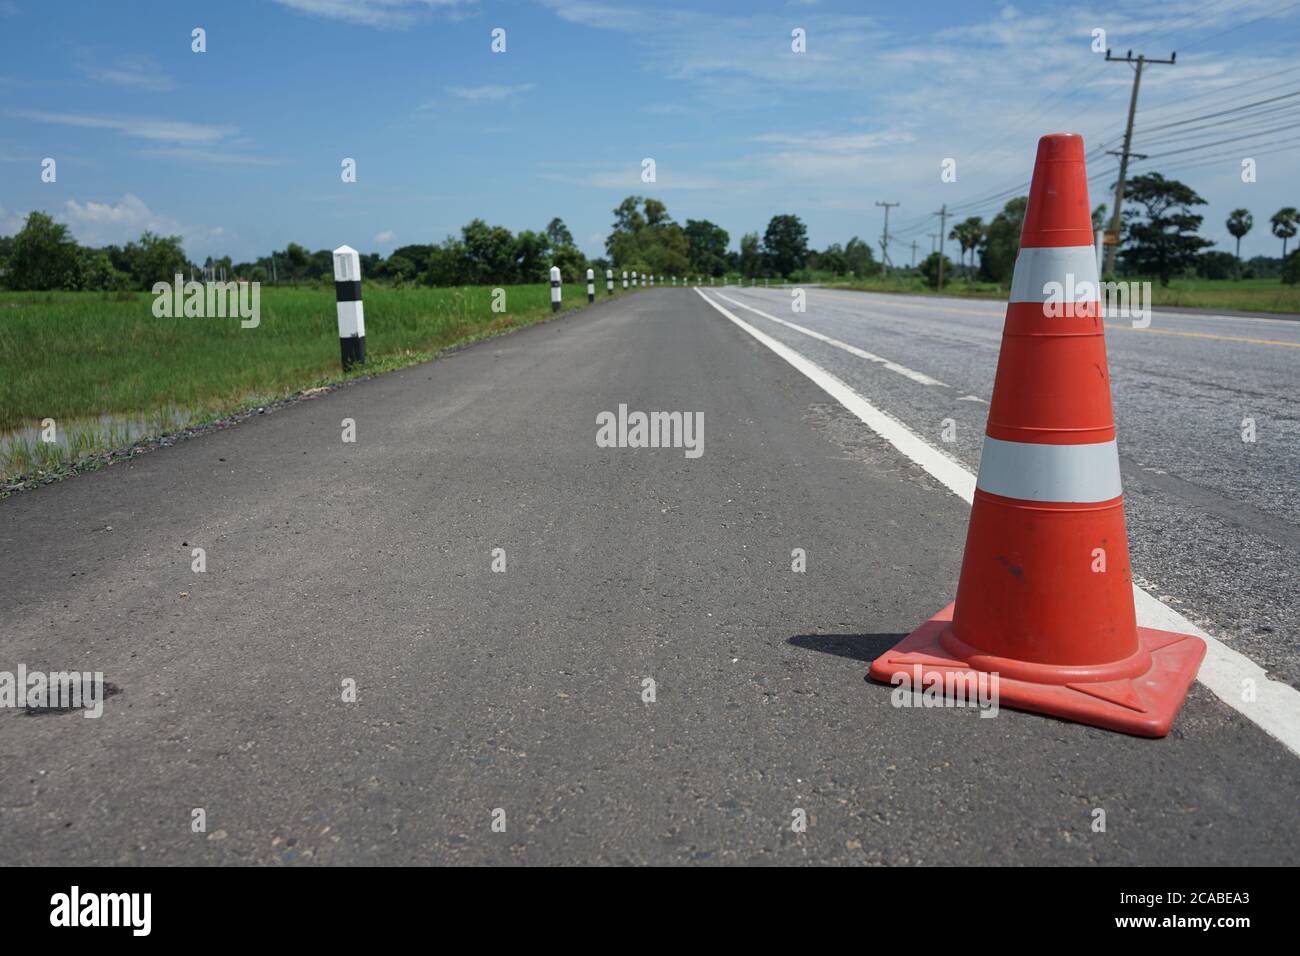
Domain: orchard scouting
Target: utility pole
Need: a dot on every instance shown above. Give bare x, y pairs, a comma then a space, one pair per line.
943, 222
913, 253
1113, 250
884, 238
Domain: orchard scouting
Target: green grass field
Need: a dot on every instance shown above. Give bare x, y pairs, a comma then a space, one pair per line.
108, 372
1246, 295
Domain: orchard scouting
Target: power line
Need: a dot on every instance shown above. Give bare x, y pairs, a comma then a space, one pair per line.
984, 200
1236, 109
1242, 26
1213, 99
1096, 151
1173, 122
1223, 142
1247, 130
1279, 146
1071, 88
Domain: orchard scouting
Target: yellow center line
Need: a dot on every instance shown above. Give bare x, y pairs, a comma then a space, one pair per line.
1126, 328
1208, 335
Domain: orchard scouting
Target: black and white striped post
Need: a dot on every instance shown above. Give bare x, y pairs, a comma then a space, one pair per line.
624, 280
634, 278
591, 286
352, 318
555, 288
609, 281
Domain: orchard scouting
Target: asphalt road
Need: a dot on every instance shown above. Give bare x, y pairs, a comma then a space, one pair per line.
522, 691
1214, 521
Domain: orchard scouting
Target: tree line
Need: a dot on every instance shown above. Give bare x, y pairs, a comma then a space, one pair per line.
1160, 240
643, 238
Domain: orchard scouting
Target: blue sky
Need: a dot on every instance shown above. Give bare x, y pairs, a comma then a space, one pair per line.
238, 149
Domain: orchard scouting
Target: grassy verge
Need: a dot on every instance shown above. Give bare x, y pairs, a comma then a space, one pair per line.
110, 374
1245, 295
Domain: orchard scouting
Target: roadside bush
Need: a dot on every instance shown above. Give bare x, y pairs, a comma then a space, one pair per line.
1291, 268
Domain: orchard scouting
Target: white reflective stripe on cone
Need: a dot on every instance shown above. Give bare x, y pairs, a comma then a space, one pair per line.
1060, 473
352, 319
1038, 266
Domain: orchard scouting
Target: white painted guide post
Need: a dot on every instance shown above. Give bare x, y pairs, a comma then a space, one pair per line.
351, 316
555, 288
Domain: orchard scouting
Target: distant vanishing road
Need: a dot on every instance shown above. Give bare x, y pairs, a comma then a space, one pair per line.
520, 696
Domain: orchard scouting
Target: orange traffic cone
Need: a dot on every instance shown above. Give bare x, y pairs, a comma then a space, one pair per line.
1045, 599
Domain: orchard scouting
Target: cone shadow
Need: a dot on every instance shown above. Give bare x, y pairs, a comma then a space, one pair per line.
856, 647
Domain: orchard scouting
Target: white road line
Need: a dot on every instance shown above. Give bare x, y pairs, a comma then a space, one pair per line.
1229, 674
913, 374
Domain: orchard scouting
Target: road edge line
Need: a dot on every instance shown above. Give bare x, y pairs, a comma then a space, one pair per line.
919, 377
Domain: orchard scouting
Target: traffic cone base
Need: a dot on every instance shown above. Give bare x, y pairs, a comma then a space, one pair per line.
1144, 704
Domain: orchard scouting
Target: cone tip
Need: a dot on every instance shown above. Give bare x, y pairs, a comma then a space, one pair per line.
1058, 213
1060, 147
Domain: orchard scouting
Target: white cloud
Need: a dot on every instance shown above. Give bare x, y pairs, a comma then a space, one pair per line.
823, 141
139, 73
629, 179
730, 59
489, 91
95, 223
218, 156
961, 86
98, 223
178, 139
383, 14
386, 236
160, 130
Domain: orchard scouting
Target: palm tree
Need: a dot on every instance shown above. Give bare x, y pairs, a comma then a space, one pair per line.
958, 233
1240, 222
1284, 223
968, 233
